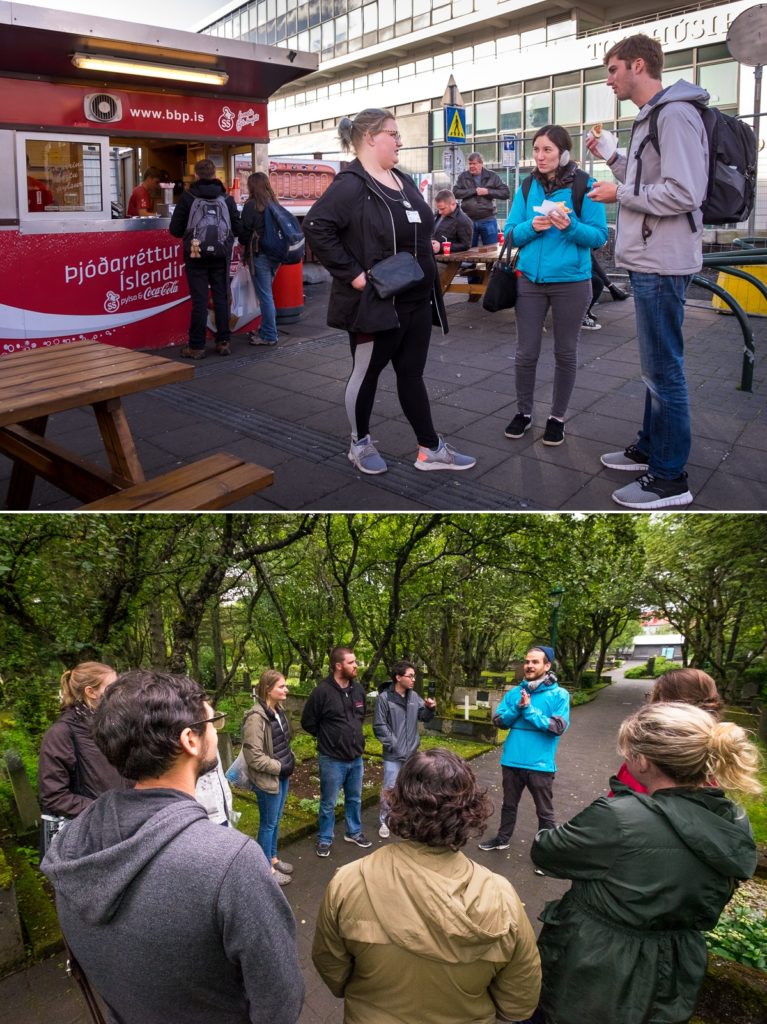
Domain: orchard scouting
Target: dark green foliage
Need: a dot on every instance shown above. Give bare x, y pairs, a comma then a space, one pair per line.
660, 666
740, 935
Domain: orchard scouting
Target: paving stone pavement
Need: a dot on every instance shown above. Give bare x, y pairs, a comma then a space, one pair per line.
283, 407
586, 759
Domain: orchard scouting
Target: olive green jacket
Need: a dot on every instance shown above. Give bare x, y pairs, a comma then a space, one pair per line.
263, 766
650, 873
416, 933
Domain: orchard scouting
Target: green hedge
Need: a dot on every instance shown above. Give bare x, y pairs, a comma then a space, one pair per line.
642, 671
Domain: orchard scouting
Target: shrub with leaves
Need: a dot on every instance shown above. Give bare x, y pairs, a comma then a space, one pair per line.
740, 935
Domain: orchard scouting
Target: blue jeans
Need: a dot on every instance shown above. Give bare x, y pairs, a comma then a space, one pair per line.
335, 775
264, 270
486, 231
665, 433
390, 773
270, 808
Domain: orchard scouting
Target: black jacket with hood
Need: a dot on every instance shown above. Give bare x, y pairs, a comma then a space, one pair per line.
203, 188
334, 715
171, 917
350, 229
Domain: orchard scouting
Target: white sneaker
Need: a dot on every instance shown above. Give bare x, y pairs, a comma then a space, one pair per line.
384, 832
364, 455
444, 457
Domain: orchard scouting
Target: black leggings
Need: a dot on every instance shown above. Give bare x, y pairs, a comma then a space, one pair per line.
406, 348
599, 281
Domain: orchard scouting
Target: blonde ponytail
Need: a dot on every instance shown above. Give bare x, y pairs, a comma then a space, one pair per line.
691, 747
75, 680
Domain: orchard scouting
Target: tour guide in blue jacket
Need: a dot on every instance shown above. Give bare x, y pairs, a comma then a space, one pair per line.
536, 713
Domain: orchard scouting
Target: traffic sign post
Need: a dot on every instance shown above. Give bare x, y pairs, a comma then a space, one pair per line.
511, 156
455, 129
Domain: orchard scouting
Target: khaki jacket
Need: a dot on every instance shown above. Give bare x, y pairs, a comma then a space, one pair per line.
416, 933
263, 766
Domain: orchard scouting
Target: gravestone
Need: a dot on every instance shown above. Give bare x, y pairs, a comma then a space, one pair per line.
24, 795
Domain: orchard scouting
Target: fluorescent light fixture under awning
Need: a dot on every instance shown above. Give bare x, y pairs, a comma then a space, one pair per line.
116, 65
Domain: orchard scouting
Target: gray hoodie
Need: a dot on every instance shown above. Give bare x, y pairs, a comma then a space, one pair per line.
174, 918
395, 722
673, 184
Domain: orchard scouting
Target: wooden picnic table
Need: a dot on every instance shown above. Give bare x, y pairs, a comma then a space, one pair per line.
483, 257
36, 383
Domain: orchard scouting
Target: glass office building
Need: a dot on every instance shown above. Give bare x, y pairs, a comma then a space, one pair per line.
518, 66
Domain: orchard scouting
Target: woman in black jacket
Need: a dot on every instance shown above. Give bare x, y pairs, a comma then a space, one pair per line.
369, 212
72, 771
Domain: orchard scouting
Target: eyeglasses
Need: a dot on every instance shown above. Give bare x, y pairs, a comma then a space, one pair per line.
217, 721
408, 675
390, 131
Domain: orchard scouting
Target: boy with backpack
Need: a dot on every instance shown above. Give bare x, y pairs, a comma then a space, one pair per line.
659, 241
207, 220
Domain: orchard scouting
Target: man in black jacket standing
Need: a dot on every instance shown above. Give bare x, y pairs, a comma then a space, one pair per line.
334, 713
478, 189
203, 272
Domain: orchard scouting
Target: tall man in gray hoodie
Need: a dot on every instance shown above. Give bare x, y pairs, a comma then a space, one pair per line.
659, 241
172, 917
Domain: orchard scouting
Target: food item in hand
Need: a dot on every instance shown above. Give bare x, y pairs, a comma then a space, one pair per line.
606, 142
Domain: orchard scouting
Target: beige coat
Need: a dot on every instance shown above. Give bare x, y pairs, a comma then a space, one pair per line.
263, 766
413, 933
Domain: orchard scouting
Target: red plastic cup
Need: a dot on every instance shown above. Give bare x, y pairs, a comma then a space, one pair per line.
500, 238
446, 246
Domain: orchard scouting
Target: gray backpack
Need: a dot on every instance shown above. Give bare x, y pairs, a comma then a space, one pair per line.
208, 232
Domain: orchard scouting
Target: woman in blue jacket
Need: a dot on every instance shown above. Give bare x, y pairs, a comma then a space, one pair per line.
554, 270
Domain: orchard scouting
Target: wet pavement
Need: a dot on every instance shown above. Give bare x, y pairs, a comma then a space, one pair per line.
283, 407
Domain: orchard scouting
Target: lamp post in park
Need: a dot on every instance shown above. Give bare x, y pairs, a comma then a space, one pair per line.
556, 595
747, 43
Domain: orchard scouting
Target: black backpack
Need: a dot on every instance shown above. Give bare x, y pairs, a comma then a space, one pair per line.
731, 189
208, 233
579, 188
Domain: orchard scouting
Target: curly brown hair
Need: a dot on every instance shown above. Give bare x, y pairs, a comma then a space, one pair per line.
436, 800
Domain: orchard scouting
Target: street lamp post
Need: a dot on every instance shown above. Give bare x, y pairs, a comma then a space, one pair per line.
555, 596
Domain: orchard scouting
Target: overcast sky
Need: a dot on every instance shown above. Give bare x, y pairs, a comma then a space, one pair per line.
180, 14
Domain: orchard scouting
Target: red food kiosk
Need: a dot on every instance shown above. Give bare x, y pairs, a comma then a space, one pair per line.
87, 105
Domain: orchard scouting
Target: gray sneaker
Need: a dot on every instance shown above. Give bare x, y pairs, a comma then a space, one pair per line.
444, 457
281, 879
632, 459
648, 492
364, 455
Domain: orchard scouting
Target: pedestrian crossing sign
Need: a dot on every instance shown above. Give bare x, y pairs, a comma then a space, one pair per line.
455, 125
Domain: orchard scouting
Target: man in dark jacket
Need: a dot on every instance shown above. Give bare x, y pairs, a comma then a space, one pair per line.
477, 190
398, 711
203, 272
334, 713
170, 916
452, 225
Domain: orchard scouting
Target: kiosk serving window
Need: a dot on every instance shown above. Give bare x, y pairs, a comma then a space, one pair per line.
62, 175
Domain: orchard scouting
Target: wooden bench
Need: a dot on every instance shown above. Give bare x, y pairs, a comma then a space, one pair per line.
212, 483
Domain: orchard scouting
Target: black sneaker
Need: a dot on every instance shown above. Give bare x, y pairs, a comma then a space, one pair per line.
649, 492
632, 459
494, 844
554, 432
519, 425
360, 840
323, 849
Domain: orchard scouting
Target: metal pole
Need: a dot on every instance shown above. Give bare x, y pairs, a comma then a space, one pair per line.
554, 628
757, 118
